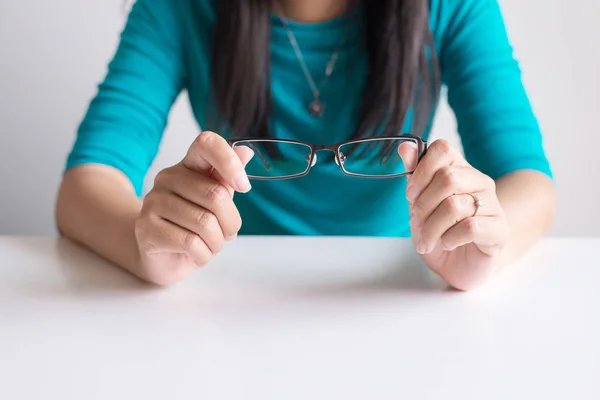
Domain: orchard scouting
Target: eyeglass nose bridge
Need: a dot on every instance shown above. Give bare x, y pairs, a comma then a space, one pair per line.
338, 155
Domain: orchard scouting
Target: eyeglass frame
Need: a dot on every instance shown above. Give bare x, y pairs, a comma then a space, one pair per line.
335, 148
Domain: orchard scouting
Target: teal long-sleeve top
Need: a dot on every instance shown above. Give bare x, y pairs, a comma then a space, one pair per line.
165, 49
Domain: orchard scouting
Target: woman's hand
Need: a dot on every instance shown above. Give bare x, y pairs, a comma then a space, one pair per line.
189, 213
457, 241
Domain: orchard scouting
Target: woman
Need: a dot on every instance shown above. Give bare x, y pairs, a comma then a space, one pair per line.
320, 72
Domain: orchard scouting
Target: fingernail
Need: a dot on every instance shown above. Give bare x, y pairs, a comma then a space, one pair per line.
231, 238
421, 247
412, 192
415, 221
242, 183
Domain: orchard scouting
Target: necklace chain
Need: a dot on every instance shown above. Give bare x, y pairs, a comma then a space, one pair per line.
316, 107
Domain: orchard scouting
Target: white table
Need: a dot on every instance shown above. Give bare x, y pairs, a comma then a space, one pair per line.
298, 318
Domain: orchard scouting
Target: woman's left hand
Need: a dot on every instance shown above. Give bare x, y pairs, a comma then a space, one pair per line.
456, 239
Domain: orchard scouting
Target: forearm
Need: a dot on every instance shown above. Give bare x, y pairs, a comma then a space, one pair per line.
528, 201
97, 207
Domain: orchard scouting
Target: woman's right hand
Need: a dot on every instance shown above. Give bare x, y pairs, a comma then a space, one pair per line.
189, 213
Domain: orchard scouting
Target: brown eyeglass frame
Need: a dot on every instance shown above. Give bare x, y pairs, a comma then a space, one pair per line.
335, 148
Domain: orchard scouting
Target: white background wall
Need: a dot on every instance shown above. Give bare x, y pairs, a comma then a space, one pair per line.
54, 53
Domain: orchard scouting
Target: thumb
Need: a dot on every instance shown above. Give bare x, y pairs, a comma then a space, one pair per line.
245, 154
409, 152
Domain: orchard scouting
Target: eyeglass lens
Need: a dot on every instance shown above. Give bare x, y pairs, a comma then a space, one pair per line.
273, 159
377, 157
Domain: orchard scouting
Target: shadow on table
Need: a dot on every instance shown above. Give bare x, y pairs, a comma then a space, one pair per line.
74, 271
403, 275
340, 268
404, 272
83, 274
410, 278
88, 273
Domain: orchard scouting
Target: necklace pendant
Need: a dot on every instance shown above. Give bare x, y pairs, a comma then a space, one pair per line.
316, 108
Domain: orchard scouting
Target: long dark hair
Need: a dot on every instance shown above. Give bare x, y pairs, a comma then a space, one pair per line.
401, 75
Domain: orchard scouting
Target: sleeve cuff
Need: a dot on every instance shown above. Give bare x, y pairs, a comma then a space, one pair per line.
112, 149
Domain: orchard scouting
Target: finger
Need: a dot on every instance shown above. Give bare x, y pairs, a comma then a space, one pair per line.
245, 154
193, 218
450, 212
488, 233
167, 236
203, 191
211, 152
440, 154
409, 152
449, 181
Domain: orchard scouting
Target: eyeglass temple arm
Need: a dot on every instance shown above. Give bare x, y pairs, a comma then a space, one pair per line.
422, 150
388, 154
262, 158
258, 153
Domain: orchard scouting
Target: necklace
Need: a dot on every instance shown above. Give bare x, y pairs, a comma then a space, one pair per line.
316, 106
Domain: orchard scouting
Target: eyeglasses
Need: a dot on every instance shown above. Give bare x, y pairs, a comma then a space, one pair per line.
377, 157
